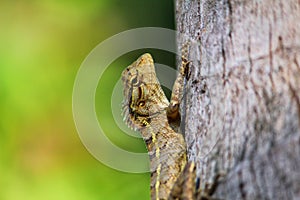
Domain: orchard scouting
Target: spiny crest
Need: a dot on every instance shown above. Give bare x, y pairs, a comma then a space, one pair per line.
143, 96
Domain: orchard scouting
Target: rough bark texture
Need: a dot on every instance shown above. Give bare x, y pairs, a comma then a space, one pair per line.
242, 103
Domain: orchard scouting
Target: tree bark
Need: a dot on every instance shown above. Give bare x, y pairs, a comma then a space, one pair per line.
241, 111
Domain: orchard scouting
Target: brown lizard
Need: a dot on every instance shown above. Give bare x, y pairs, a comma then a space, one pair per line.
146, 109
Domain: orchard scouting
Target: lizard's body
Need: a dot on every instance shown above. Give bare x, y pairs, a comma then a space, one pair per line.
167, 156
147, 109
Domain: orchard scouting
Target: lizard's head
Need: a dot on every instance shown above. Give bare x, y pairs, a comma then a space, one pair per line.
143, 96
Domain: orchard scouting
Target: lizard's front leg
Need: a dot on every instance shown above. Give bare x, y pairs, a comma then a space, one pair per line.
177, 92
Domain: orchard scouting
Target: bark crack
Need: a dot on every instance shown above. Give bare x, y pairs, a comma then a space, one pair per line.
271, 55
224, 61
249, 54
241, 185
297, 100
230, 24
296, 62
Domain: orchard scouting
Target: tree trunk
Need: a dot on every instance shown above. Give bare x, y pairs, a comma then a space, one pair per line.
241, 111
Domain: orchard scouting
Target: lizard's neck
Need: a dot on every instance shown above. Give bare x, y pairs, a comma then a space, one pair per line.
167, 153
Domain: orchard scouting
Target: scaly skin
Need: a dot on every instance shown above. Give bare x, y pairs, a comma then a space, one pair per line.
146, 108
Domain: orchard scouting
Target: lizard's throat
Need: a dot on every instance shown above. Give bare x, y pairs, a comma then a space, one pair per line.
154, 126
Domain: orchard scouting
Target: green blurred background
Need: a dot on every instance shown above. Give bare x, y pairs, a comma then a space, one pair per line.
42, 45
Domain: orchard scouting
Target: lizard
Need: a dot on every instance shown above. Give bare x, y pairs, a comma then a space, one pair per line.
147, 109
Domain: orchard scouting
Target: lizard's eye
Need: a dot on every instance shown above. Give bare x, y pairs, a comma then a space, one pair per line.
134, 81
141, 104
